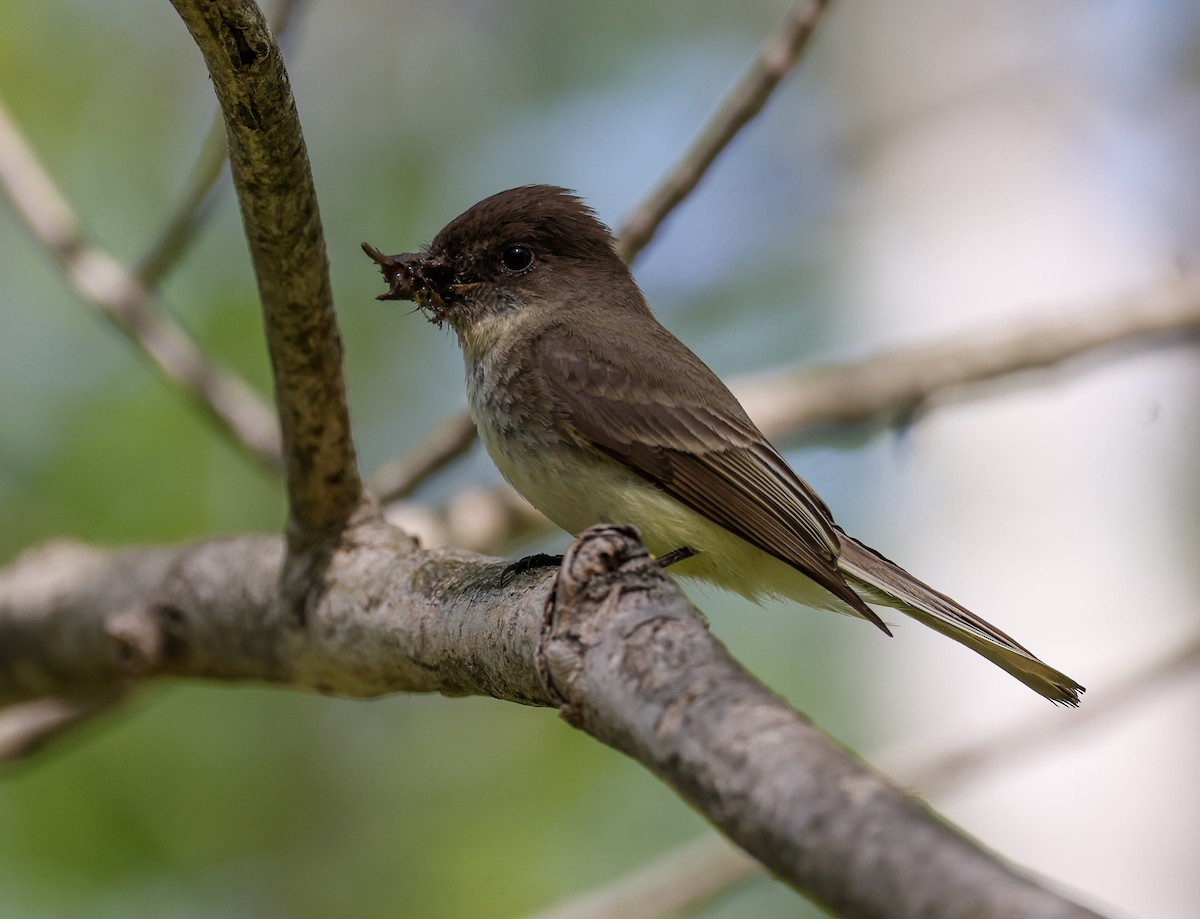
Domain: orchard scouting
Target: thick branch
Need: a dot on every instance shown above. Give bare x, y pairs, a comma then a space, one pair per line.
103, 281
77, 620
638, 670
622, 653
74, 619
283, 230
709, 867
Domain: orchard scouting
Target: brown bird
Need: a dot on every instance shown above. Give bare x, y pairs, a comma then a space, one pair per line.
595, 413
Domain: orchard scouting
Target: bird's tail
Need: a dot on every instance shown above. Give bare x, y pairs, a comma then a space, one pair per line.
886, 583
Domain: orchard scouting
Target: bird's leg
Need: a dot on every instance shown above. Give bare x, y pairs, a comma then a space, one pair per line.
542, 560
675, 555
529, 563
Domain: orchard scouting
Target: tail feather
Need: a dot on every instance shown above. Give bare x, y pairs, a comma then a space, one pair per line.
886, 583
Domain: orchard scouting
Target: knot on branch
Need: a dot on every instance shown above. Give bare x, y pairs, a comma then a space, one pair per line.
140, 639
599, 551
599, 572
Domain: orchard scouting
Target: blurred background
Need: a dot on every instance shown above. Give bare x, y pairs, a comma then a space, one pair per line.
932, 167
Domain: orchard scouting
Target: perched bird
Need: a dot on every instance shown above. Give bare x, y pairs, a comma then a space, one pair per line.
595, 413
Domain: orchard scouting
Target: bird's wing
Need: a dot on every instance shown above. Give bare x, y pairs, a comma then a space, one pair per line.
706, 454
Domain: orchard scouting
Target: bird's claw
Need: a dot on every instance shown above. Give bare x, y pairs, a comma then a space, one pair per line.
528, 563
675, 555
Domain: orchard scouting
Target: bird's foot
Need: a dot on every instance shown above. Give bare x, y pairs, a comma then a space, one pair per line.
675, 555
528, 563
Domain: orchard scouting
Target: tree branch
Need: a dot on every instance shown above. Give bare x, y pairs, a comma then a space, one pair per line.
638, 670
28, 727
964, 761
746, 99
200, 197
674, 885
449, 440
901, 380
709, 867
76, 620
102, 281
610, 640
194, 207
274, 186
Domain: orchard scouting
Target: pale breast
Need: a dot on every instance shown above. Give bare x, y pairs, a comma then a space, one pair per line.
573, 484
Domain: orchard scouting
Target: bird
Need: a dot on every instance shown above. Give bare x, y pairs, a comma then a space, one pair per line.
596, 413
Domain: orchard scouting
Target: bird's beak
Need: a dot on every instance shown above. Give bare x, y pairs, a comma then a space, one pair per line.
415, 276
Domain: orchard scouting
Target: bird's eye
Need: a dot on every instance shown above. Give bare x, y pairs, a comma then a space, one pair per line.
516, 259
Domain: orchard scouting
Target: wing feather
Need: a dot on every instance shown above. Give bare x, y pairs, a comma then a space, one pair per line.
707, 455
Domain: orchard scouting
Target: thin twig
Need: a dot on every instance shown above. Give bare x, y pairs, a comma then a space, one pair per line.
906, 378
775, 60
102, 281
674, 885
966, 761
201, 192
28, 727
449, 440
198, 202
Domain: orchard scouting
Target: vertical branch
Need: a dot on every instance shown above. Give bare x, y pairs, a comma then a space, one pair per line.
283, 230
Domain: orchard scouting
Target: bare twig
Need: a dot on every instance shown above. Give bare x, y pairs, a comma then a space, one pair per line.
609, 640
28, 727
967, 761
200, 197
274, 186
674, 885
476, 519
784, 405
903, 379
449, 440
103, 281
745, 100
199, 200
